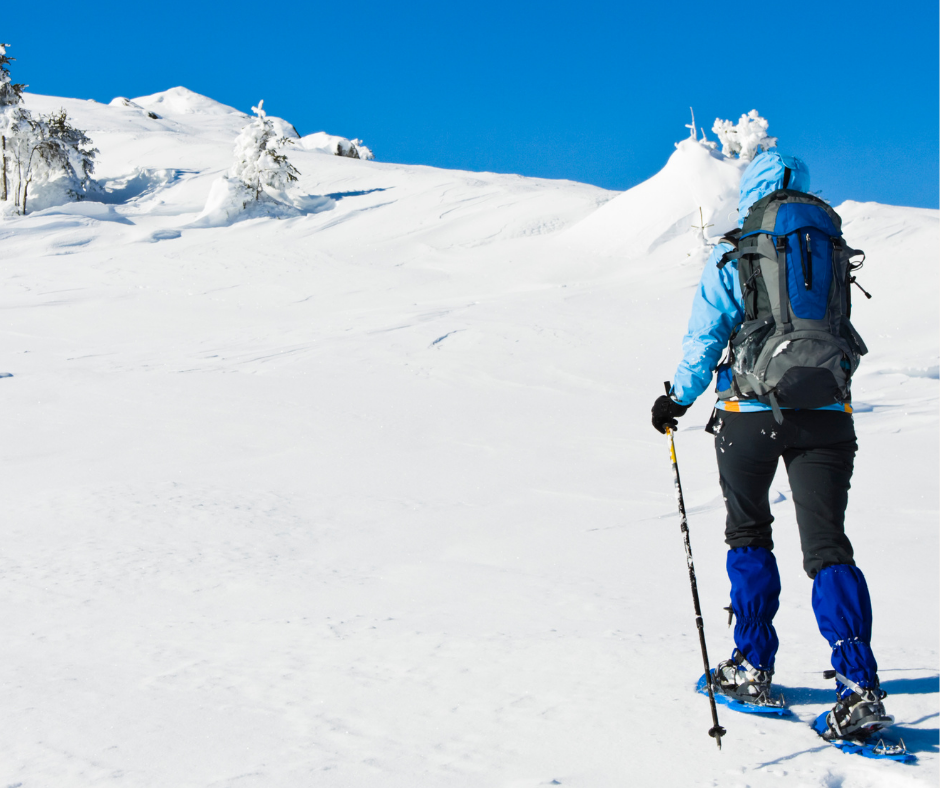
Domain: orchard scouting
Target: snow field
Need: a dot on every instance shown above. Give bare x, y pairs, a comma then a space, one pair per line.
370, 496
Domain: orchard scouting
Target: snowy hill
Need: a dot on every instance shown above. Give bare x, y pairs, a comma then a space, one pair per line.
369, 496
182, 101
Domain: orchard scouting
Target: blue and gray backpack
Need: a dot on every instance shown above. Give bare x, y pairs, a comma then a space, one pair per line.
796, 347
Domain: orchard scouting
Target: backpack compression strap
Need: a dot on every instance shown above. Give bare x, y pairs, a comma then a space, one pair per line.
783, 313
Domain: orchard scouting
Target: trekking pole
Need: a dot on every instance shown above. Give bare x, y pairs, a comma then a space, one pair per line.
716, 731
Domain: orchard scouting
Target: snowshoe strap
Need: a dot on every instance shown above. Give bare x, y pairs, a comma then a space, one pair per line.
739, 659
859, 690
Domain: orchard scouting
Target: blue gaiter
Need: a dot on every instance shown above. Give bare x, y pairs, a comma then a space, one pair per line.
843, 612
755, 597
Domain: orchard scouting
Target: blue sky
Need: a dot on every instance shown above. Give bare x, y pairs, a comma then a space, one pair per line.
594, 91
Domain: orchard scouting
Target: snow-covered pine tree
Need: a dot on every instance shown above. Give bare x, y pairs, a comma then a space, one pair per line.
70, 157
259, 164
745, 138
11, 94
49, 152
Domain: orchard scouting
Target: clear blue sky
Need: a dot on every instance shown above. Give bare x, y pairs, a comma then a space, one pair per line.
594, 91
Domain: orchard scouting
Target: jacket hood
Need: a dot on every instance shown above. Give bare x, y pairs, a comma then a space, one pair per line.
767, 173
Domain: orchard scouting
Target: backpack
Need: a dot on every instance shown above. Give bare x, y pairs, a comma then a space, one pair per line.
796, 347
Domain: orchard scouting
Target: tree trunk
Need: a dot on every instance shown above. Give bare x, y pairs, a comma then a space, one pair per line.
25, 189
4, 168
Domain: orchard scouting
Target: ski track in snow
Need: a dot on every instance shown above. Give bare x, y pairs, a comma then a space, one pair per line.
370, 496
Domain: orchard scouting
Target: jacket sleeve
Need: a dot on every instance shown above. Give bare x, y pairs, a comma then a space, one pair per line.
716, 312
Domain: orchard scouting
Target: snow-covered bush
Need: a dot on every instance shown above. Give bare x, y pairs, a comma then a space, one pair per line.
336, 146
259, 164
745, 138
353, 149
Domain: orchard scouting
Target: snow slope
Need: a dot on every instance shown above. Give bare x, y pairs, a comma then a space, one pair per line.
696, 185
370, 496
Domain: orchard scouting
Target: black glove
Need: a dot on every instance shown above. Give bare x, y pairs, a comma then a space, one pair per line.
665, 412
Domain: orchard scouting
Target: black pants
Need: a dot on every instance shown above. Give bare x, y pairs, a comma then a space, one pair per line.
818, 448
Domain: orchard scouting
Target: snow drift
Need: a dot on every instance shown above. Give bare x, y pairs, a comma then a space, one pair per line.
668, 205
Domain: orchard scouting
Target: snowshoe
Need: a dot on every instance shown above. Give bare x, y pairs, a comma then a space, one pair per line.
876, 747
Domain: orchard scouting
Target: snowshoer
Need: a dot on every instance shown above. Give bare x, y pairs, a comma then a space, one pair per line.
754, 427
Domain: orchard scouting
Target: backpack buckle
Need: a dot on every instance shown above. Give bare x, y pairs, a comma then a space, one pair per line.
781, 244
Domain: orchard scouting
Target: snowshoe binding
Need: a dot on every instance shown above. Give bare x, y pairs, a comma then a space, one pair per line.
740, 680
858, 714
857, 721
742, 687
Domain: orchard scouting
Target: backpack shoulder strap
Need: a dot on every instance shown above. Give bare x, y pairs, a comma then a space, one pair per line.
731, 238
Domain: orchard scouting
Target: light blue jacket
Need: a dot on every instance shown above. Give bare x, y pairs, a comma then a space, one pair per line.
718, 308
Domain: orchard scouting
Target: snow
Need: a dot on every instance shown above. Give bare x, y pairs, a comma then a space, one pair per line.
665, 207
182, 101
331, 144
369, 495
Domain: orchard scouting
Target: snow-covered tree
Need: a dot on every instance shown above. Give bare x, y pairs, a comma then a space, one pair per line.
693, 132
67, 155
256, 183
45, 153
259, 164
22, 136
745, 138
11, 94
49, 154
